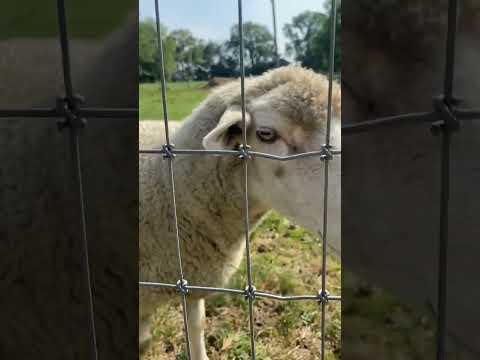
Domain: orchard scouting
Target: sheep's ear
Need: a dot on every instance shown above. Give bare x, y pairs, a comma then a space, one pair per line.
228, 131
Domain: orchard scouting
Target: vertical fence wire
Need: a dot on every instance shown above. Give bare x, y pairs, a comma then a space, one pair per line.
331, 68
169, 156
161, 65
65, 49
75, 142
443, 246
331, 65
450, 49
275, 37
86, 263
445, 183
250, 291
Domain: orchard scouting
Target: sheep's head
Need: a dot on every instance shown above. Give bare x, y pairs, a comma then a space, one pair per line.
286, 114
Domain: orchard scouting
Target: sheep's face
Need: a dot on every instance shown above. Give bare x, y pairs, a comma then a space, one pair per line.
294, 187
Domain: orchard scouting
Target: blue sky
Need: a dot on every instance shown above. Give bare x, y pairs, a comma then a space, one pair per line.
212, 19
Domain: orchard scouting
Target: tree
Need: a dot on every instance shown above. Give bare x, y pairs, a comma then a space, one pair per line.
169, 46
301, 34
148, 51
189, 54
309, 39
184, 43
321, 45
258, 43
212, 53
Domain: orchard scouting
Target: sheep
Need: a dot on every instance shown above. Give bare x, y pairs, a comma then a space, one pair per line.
286, 113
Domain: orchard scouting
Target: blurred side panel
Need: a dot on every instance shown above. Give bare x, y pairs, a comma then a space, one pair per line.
43, 287
393, 63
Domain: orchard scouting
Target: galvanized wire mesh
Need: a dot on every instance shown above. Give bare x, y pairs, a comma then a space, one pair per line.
73, 115
246, 154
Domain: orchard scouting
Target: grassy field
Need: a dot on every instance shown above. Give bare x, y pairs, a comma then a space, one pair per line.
286, 260
182, 98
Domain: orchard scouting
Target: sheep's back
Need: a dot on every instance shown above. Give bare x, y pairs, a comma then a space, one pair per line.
151, 133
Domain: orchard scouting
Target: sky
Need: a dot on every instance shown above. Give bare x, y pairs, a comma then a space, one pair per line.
212, 19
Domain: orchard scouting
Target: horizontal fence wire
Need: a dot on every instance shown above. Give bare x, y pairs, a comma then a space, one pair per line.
258, 294
413, 118
168, 151
81, 112
239, 153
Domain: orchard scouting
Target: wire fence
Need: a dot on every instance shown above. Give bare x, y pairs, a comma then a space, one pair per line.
445, 120
72, 114
325, 154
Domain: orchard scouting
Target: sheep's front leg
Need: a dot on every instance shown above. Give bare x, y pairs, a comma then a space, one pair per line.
144, 334
196, 327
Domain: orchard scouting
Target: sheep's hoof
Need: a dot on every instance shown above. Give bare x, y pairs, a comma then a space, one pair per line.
144, 341
143, 346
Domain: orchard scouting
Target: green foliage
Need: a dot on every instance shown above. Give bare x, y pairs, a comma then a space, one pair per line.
321, 45
147, 41
258, 44
212, 52
301, 32
309, 39
148, 53
185, 49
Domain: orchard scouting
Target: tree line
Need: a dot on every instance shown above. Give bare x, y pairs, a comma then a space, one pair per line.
187, 57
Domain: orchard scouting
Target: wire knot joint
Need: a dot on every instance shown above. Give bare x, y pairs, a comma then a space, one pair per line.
67, 108
323, 297
325, 153
250, 292
182, 287
444, 109
244, 151
168, 152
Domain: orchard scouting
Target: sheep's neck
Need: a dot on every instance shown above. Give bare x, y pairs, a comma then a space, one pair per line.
211, 188
210, 195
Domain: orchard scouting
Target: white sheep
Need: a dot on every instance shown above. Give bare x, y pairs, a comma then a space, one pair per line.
286, 114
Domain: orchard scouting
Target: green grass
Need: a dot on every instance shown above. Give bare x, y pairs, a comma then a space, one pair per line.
379, 323
182, 98
286, 260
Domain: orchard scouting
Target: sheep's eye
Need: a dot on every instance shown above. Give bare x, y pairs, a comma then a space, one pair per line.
267, 135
